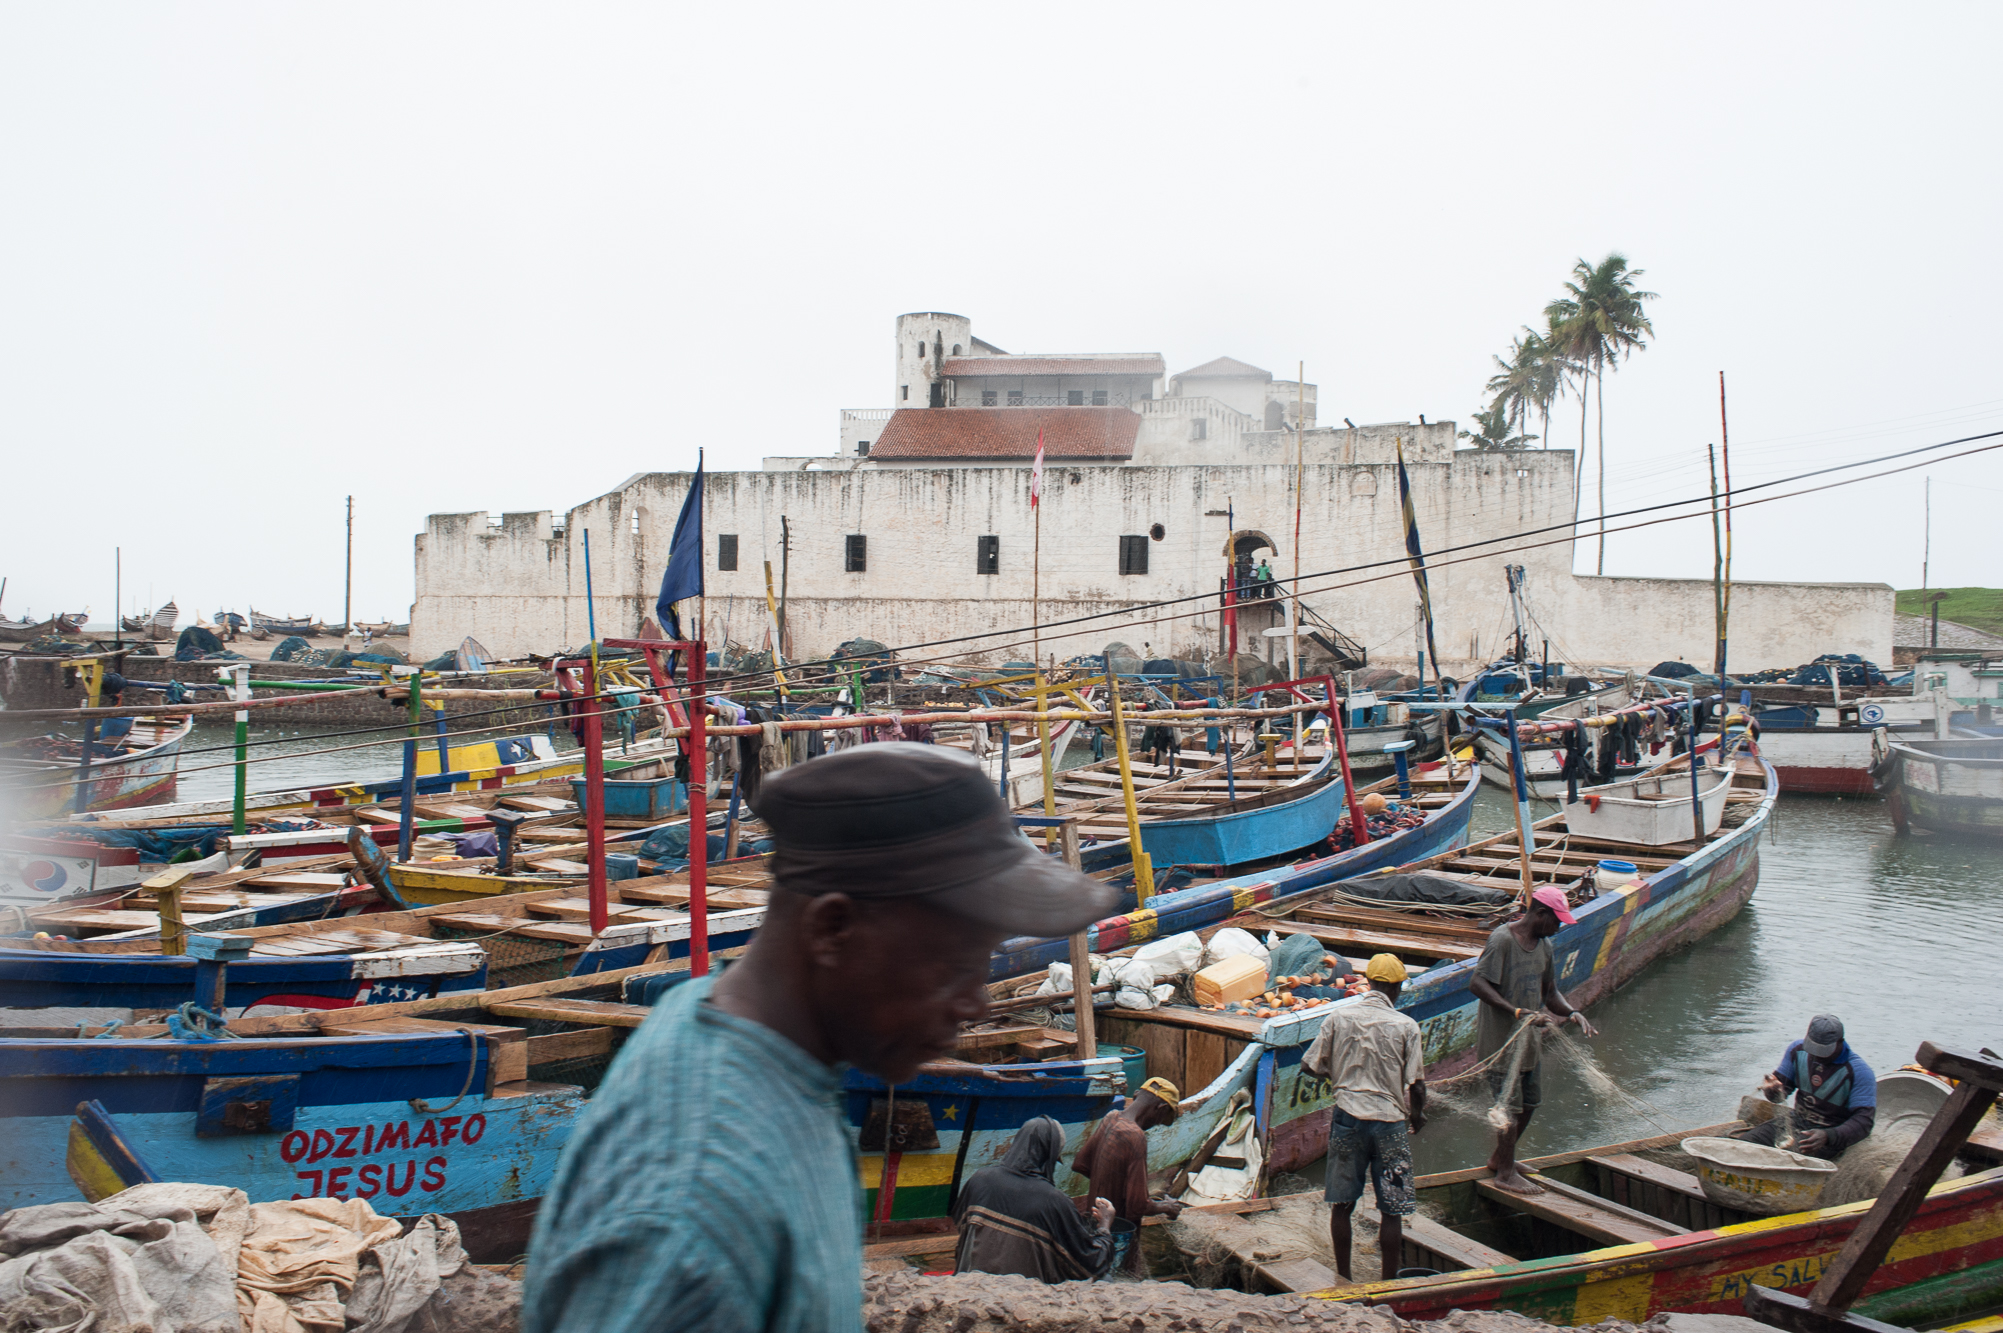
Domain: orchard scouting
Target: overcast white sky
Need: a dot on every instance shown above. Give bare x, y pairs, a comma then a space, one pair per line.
467, 257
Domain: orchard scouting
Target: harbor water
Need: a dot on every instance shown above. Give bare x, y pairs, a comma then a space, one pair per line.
1900, 937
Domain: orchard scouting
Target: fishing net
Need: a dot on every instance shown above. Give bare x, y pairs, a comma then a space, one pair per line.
1533, 1045
511, 961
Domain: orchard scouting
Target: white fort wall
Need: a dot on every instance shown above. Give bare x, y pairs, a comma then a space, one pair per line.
517, 583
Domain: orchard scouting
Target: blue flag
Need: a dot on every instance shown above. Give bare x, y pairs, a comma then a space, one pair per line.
683, 578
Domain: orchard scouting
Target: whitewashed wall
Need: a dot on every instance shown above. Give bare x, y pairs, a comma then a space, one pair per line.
518, 587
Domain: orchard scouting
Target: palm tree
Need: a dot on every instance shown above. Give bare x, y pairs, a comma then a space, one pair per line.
1495, 429
1600, 320
1529, 378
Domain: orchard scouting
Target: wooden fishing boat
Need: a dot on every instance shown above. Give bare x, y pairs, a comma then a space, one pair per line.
159, 625
303, 626
1023, 754
40, 781
1951, 786
23, 632
1662, 1246
1652, 809
1259, 806
1544, 756
1831, 748
1685, 891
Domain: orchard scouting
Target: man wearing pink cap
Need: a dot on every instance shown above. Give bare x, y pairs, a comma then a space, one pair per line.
1516, 983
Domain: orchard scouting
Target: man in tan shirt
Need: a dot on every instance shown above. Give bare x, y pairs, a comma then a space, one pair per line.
1374, 1062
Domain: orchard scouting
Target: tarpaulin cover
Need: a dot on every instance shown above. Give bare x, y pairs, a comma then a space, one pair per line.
1420, 887
154, 844
197, 644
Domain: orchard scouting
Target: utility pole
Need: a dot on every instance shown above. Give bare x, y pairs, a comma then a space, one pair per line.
348, 596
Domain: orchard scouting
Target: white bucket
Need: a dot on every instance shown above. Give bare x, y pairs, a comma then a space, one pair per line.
1757, 1179
1611, 875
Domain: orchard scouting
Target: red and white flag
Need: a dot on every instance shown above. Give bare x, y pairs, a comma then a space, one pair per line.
1036, 472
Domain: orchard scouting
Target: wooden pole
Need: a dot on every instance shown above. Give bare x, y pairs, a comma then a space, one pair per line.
1359, 827
772, 619
118, 599
166, 890
785, 568
1524, 823
1696, 793
594, 803
1725, 458
1144, 875
1717, 572
1081, 957
1049, 761
348, 597
698, 810
407, 800
1300, 475
242, 674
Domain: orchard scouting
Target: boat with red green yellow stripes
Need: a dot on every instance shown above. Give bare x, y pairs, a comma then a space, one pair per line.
1663, 1246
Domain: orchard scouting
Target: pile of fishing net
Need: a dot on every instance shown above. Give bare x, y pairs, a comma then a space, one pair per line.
1383, 818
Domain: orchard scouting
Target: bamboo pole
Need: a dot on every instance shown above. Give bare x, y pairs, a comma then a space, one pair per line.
1144, 875
594, 803
698, 752
772, 616
1725, 457
1717, 571
1519, 790
1081, 957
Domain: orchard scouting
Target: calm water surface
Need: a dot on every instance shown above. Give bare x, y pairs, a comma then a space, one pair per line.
288, 758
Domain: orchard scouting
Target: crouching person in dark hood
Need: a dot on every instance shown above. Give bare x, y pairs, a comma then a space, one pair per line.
1014, 1219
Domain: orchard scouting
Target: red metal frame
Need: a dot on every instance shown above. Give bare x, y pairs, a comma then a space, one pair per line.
695, 746
1359, 827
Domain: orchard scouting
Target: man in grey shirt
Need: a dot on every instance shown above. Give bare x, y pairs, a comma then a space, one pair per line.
1515, 983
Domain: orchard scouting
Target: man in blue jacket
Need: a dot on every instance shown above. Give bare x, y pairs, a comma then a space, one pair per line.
1835, 1093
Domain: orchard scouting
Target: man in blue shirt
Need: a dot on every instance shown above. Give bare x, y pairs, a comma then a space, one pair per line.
712, 1182
1835, 1093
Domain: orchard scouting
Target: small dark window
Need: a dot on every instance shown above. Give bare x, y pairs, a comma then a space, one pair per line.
1015, 397
856, 555
1133, 555
862, 448
1198, 428
987, 556
904, 392
726, 551
1075, 398
956, 349
938, 398
1098, 397
1157, 532
989, 398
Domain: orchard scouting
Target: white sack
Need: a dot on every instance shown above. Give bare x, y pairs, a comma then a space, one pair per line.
1175, 956
1231, 943
70, 1267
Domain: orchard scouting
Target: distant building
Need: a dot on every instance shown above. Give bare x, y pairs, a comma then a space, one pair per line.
1159, 489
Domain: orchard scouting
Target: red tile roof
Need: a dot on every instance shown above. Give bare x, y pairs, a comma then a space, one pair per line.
1008, 433
961, 367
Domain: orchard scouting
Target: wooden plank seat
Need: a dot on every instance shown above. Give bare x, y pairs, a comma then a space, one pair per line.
579, 909
1392, 919
1660, 1191
603, 1013
1430, 1244
335, 941
1585, 1214
1360, 940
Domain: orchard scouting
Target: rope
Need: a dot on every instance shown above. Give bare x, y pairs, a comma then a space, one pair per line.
423, 1107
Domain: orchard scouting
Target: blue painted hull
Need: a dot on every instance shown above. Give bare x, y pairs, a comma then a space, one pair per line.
352, 1132
34, 980
1238, 838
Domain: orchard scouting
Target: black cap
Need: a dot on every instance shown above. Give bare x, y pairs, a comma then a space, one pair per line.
901, 820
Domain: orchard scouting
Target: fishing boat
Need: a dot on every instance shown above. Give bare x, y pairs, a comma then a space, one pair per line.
1373, 725
1659, 1245
1023, 753
1544, 756
1951, 786
1682, 892
1830, 746
40, 776
303, 626
1209, 810
23, 632
158, 626
1655, 808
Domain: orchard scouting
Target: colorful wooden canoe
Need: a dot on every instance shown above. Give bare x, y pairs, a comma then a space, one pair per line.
141, 772
1953, 786
1682, 1253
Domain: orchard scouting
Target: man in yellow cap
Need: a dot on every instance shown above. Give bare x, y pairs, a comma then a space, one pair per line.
1115, 1158
1374, 1062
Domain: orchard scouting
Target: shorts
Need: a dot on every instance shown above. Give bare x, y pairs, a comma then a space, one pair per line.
1527, 1094
1384, 1148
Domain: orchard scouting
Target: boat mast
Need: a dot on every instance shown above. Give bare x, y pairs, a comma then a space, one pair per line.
1514, 573
348, 594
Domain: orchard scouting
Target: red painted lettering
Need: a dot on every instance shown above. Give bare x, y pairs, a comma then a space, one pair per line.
409, 1178
293, 1146
369, 1181
475, 1126
323, 1143
314, 1192
337, 1181
448, 1127
347, 1133
427, 1135
394, 1136
434, 1167
368, 1139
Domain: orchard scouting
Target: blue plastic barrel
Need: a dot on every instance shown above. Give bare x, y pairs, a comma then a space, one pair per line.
1133, 1059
